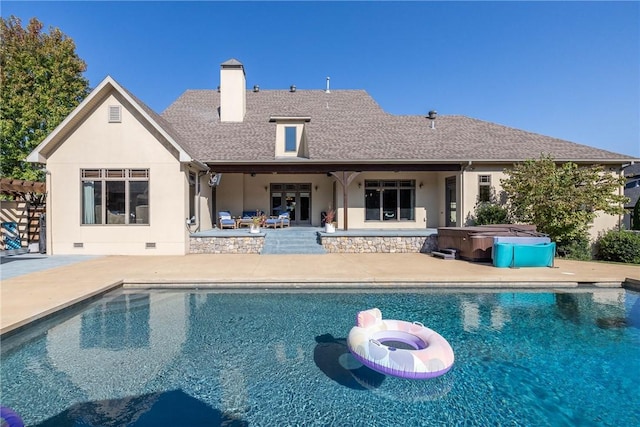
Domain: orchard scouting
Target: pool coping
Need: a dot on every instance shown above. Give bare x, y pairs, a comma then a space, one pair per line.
46, 315
38, 295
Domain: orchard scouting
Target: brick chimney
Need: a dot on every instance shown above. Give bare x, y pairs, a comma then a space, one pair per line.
233, 99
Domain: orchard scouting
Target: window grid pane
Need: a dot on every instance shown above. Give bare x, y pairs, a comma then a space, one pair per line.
92, 173
290, 139
390, 200
109, 200
116, 173
484, 188
139, 202
139, 173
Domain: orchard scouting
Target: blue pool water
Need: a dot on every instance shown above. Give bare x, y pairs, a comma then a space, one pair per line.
266, 359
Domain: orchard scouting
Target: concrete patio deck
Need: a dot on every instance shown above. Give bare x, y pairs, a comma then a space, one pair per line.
38, 292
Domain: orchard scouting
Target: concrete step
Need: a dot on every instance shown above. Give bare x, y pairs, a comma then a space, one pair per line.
292, 241
447, 253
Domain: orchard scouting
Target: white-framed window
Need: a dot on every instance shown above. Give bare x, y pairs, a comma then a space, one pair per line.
114, 196
390, 200
484, 188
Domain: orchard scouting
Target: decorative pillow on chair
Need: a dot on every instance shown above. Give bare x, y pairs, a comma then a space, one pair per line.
224, 215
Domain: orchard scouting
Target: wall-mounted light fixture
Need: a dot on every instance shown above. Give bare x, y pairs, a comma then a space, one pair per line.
253, 174
421, 185
266, 188
359, 185
316, 187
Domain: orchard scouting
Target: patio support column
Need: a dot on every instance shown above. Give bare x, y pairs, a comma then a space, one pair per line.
345, 178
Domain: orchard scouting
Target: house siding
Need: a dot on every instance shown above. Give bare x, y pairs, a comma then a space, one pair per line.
95, 143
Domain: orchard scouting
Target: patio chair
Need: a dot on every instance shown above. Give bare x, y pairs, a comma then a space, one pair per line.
281, 221
225, 220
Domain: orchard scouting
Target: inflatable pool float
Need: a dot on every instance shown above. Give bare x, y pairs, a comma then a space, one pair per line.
9, 418
398, 348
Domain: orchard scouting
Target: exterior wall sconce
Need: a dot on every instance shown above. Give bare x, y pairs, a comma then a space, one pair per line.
266, 188
359, 185
421, 185
253, 174
316, 187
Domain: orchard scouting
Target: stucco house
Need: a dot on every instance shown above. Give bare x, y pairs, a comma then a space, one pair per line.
122, 179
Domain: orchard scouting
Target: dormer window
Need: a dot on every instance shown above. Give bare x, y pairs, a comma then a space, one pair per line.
290, 136
290, 140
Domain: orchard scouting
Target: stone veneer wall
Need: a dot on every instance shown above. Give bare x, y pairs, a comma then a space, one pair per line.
226, 245
379, 244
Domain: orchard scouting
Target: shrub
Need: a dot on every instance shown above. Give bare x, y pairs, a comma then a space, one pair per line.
636, 216
619, 246
577, 247
490, 213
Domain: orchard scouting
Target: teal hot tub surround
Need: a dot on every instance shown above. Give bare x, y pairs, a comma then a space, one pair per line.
506, 254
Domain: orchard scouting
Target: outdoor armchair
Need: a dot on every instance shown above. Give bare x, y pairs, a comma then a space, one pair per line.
225, 220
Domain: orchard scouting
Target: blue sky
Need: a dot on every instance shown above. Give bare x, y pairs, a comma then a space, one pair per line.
565, 69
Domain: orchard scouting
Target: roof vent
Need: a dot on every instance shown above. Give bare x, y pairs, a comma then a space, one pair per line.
327, 89
431, 115
256, 88
292, 88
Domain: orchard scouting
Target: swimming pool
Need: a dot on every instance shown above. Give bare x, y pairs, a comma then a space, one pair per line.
276, 358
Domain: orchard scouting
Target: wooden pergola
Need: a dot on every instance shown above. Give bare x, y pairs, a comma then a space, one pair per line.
20, 188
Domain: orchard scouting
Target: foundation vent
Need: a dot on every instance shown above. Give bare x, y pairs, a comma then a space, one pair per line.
150, 245
78, 245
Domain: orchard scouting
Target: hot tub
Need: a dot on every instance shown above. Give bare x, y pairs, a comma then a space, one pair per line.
476, 243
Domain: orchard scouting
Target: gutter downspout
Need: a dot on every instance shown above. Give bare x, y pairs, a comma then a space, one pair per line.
49, 211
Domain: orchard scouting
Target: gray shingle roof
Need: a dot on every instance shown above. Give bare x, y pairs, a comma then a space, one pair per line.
348, 125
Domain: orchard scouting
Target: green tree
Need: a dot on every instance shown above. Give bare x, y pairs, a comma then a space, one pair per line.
42, 82
562, 200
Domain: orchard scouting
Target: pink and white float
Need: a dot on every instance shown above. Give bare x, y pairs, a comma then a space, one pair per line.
374, 342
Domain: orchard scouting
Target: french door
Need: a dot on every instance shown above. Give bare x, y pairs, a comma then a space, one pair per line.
292, 198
